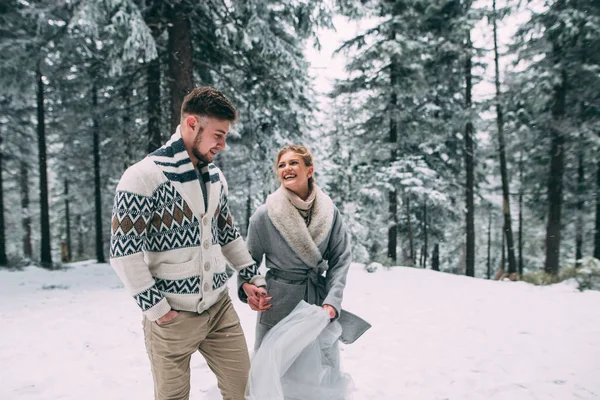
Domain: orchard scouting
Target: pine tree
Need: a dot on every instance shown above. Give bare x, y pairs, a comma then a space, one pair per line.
180, 79
3, 258
512, 263
558, 61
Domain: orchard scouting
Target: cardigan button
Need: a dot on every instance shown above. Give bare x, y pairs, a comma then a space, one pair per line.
207, 266
206, 287
206, 244
205, 221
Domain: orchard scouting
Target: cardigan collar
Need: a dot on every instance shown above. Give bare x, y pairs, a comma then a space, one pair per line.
173, 159
176, 164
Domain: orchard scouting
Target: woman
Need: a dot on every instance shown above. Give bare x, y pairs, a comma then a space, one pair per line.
302, 236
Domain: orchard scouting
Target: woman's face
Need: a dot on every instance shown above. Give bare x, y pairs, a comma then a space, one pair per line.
293, 173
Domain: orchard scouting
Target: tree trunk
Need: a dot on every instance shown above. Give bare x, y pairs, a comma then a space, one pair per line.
97, 183
597, 233
127, 130
393, 195
435, 258
25, 210
512, 263
68, 221
3, 257
503, 258
411, 241
580, 207
425, 234
489, 245
180, 60
154, 108
349, 196
46, 253
393, 226
248, 200
155, 19
80, 244
521, 215
469, 165
553, 230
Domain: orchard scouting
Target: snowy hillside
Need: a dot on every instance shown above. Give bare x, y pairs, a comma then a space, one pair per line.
76, 334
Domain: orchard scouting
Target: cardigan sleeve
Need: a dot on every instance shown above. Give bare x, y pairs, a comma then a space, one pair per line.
340, 257
132, 212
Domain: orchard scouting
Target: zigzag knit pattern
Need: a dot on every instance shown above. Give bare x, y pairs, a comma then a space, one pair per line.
173, 225
189, 285
158, 223
145, 226
131, 214
227, 232
148, 298
248, 272
219, 280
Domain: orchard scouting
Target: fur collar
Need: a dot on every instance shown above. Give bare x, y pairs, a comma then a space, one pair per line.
301, 238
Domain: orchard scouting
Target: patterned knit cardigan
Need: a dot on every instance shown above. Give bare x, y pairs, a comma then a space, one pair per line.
165, 246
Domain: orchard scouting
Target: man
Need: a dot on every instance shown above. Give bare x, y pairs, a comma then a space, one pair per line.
171, 227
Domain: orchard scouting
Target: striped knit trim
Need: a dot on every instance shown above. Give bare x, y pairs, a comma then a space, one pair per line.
172, 147
148, 298
174, 160
172, 164
249, 272
177, 165
219, 280
189, 285
187, 176
209, 172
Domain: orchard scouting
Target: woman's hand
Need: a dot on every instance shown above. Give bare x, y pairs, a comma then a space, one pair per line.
330, 310
257, 297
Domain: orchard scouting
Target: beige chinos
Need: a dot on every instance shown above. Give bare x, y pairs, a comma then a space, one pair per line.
216, 333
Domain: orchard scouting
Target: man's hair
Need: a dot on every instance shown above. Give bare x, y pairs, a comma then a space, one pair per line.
210, 102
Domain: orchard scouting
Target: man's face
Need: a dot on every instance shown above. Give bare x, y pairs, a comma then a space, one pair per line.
211, 134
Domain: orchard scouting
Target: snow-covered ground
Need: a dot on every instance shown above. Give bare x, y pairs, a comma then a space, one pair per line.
76, 334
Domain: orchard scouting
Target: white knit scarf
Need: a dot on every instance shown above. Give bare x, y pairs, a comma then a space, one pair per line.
304, 207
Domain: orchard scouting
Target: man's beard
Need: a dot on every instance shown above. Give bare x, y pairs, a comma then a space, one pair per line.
201, 157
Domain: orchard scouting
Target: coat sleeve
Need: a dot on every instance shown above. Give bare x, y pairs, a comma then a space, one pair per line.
340, 257
132, 213
257, 251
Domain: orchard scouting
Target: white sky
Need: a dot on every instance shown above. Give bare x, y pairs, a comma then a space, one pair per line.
324, 66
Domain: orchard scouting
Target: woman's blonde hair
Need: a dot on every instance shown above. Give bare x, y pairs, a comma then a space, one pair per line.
304, 153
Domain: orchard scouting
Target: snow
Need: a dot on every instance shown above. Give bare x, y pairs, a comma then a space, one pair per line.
76, 334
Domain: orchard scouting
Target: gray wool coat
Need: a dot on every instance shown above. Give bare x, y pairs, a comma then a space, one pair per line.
294, 253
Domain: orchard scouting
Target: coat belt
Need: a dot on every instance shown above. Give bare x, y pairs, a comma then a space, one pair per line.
315, 283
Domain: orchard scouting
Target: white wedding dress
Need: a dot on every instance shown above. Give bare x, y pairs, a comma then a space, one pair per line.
299, 359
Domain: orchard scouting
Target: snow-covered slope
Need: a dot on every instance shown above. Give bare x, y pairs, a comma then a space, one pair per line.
76, 334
